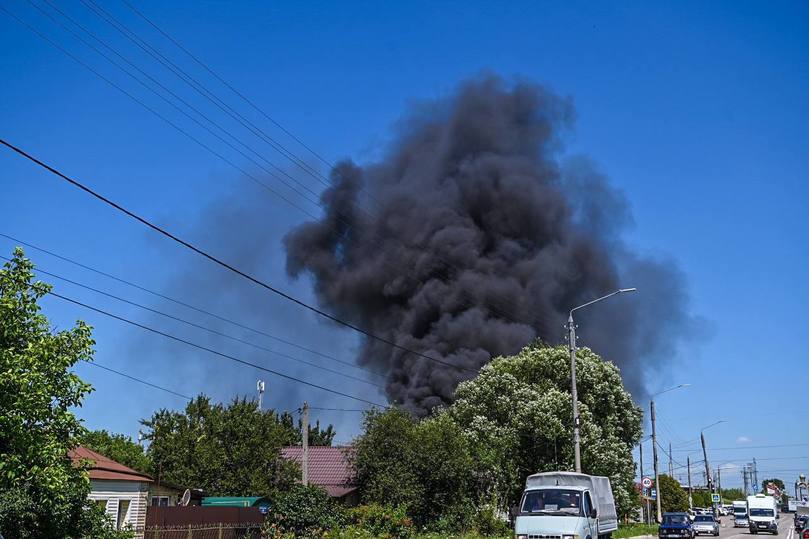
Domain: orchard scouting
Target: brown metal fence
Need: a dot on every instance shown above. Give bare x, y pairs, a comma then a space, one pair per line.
204, 531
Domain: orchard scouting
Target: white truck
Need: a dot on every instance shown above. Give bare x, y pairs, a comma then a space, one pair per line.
740, 519
566, 505
762, 511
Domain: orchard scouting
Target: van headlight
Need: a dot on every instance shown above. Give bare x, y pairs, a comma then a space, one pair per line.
520, 536
570, 537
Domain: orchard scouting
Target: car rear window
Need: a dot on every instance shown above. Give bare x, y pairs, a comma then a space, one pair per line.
704, 518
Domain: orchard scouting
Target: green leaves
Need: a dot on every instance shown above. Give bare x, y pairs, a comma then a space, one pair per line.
226, 450
41, 494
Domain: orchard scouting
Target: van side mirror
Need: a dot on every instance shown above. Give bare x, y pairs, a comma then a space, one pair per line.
593, 513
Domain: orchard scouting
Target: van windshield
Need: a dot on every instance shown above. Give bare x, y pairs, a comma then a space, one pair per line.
552, 501
762, 512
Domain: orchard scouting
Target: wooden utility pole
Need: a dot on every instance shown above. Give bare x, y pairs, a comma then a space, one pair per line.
658, 493
305, 444
707, 470
690, 491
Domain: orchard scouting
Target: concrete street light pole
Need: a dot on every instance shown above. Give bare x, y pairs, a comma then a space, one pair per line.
707, 466
571, 328
658, 493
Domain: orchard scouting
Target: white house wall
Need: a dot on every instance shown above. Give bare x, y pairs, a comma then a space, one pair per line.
113, 492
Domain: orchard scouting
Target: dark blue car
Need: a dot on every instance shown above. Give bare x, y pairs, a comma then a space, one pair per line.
676, 525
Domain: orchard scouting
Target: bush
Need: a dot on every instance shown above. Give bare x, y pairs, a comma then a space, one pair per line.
382, 521
302, 511
489, 523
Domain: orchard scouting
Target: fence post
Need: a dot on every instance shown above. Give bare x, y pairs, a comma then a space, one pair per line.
190, 532
220, 530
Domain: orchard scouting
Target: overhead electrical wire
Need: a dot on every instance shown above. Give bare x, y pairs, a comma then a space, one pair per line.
744, 448
202, 90
490, 307
212, 351
139, 380
198, 326
188, 305
221, 262
184, 76
227, 84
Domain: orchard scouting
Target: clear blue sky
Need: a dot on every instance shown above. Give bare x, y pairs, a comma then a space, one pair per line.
696, 110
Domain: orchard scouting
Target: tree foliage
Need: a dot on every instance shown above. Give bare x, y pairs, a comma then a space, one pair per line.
231, 450
512, 420
119, 448
732, 494
426, 466
42, 495
518, 414
673, 497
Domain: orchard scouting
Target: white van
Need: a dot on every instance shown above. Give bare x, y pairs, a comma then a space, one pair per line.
740, 519
566, 505
762, 510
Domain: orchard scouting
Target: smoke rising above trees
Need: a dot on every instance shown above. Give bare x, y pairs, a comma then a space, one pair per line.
474, 236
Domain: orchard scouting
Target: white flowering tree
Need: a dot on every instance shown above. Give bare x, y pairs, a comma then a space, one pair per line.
518, 415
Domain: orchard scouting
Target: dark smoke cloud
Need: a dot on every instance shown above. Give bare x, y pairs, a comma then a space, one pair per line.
476, 239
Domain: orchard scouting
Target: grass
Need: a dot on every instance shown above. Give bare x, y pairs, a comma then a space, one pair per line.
633, 530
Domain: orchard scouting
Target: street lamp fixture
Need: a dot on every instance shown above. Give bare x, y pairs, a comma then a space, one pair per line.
571, 328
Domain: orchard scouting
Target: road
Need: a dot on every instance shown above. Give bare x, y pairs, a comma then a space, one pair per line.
785, 529
727, 531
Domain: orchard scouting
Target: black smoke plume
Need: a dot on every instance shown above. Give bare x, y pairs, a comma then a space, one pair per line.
473, 237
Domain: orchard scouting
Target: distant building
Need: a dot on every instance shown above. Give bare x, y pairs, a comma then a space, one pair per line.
121, 491
330, 469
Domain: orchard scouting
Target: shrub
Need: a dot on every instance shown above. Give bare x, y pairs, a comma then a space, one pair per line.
302, 511
382, 520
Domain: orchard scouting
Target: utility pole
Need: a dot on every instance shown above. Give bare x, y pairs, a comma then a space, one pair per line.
707, 470
755, 477
305, 444
571, 328
654, 457
571, 337
260, 389
690, 491
719, 481
642, 488
671, 463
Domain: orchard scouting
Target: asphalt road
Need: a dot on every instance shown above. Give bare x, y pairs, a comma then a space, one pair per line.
785, 529
727, 531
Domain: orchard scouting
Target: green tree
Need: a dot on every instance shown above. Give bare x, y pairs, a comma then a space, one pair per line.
777, 482
231, 450
517, 414
729, 495
42, 495
425, 466
673, 497
119, 448
701, 498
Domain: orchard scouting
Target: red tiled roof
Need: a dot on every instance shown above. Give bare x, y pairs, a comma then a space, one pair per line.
328, 468
104, 468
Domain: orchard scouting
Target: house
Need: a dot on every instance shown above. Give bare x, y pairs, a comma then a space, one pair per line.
121, 491
329, 468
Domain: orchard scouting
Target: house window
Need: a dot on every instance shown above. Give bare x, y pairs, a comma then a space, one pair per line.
160, 501
123, 508
102, 504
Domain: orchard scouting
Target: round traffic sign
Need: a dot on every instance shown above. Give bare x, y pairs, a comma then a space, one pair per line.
647, 482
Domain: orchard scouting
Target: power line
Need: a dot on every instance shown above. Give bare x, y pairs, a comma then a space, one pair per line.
212, 351
748, 447
156, 113
187, 305
221, 262
224, 107
210, 96
198, 326
228, 85
139, 380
